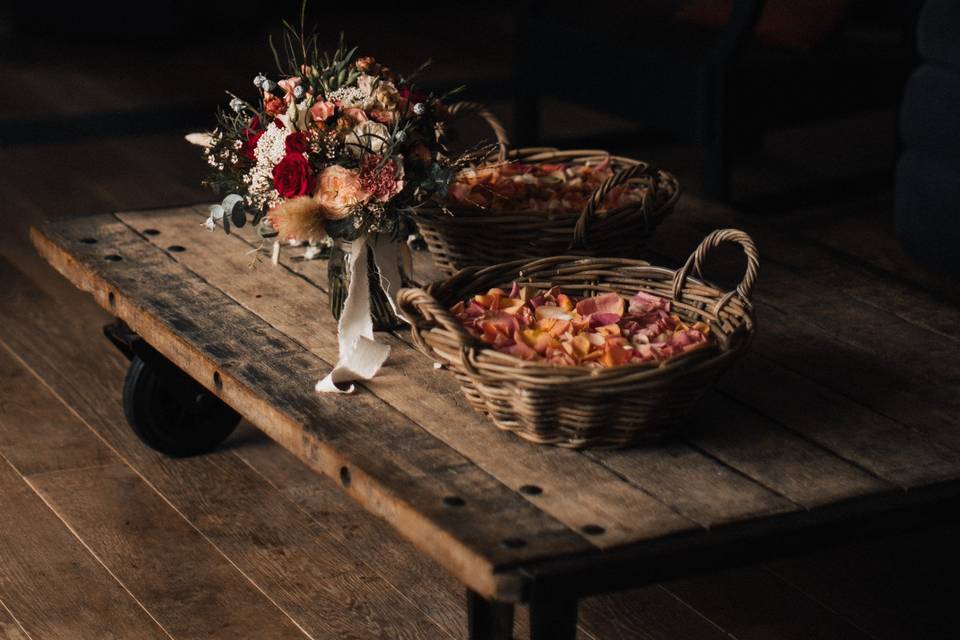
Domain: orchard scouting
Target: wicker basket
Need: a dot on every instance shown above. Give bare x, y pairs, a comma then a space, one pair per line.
461, 237
579, 407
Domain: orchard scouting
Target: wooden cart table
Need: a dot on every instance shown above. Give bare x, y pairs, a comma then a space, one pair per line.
844, 419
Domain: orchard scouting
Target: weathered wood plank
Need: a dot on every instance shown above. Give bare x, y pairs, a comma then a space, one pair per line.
35, 430
316, 576
648, 613
795, 468
866, 238
181, 316
147, 545
575, 490
51, 583
827, 478
694, 484
903, 456
10, 629
835, 479
862, 352
861, 374
438, 594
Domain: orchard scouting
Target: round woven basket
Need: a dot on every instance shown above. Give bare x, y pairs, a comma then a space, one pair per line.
580, 407
459, 236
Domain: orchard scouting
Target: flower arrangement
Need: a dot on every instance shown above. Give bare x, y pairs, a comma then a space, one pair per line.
338, 150
340, 146
599, 331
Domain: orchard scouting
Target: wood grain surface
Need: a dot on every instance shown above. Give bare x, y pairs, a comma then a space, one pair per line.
58, 589
379, 461
739, 461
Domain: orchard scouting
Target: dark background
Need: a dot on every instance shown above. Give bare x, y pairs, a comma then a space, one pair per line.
96, 97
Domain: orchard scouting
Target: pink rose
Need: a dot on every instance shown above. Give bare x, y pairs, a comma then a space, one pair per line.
322, 110
288, 86
338, 191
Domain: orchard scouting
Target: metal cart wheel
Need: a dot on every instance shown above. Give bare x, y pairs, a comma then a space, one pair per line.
171, 412
167, 409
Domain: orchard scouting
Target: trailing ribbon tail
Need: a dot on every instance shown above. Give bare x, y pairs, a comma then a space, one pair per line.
360, 355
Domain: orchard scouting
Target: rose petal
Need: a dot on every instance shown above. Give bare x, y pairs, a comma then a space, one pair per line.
549, 311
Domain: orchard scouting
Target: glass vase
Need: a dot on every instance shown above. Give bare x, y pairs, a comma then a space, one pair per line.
339, 275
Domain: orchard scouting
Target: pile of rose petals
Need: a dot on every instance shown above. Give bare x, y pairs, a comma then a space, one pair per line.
516, 186
602, 331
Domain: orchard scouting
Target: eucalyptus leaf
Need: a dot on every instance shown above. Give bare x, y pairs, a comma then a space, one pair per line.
238, 216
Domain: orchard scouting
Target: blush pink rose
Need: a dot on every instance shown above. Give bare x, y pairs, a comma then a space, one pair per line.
338, 191
322, 110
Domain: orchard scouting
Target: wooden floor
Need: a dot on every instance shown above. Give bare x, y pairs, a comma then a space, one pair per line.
102, 538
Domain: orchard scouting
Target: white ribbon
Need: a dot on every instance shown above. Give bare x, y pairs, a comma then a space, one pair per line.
360, 355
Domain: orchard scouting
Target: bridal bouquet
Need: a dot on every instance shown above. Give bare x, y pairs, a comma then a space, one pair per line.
334, 149
339, 146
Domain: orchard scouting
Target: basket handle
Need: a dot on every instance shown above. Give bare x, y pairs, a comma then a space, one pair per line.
423, 311
695, 262
597, 197
467, 108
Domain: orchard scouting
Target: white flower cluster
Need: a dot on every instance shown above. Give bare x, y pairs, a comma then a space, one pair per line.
270, 151
348, 96
218, 160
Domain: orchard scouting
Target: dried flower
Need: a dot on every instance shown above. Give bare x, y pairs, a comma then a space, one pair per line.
299, 219
367, 137
381, 179
366, 64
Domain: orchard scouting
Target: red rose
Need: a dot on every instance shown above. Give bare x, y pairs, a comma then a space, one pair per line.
251, 137
296, 142
251, 129
413, 96
292, 176
249, 147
